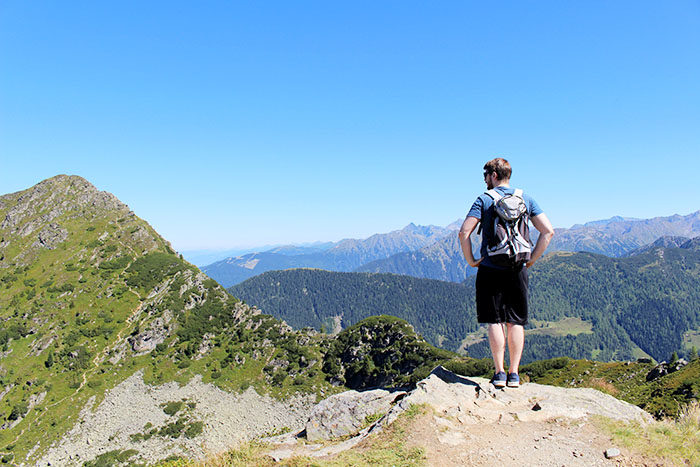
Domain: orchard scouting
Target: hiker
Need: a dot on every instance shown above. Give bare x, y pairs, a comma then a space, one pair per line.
506, 255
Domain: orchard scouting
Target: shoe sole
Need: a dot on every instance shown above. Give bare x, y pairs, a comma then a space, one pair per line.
499, 385
514, 385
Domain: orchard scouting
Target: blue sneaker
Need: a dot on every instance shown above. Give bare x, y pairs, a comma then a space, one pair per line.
499, 379
513, 380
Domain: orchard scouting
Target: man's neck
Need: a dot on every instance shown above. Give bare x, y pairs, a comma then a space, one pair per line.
503, 184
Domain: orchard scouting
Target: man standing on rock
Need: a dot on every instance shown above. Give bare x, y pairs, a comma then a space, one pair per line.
506, 255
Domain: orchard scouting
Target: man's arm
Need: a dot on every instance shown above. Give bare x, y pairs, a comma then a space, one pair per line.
465, 232
542, 224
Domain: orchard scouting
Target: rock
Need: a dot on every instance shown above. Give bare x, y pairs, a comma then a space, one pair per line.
612, 452
664, 368
50, 236
476, 401
345, 413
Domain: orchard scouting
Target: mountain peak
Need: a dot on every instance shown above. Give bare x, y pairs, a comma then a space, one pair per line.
692, 244
55, 196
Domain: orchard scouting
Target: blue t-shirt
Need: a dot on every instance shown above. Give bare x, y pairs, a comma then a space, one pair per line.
481, 209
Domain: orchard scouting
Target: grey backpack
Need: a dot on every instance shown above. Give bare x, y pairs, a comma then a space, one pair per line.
510, 245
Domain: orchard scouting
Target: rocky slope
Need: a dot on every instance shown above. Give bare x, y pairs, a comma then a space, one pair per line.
90, 294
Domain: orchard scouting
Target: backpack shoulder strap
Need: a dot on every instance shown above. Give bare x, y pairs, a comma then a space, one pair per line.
495, 196
518, 193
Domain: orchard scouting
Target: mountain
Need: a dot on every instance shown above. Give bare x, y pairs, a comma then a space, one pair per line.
209, 256
113, 349
345, 255
336, 300
583, 305
667, 241
613, 237
442, 260
91, 296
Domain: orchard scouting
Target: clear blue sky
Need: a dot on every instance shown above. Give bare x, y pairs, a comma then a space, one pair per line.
230, 124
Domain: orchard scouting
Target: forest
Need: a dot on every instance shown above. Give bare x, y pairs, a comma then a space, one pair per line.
635, 306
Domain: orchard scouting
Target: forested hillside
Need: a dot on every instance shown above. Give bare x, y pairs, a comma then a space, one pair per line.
583, 305
318, 298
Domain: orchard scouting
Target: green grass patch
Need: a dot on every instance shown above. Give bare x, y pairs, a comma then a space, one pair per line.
565, 327
676, 441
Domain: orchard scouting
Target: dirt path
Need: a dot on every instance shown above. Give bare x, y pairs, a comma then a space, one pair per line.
447, 442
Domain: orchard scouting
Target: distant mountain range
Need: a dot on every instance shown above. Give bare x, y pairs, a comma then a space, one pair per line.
345, 255
434, 252
584, 305
614, 237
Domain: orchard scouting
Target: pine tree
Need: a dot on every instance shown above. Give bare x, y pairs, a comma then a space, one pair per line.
49, 360
674, 358
693, 355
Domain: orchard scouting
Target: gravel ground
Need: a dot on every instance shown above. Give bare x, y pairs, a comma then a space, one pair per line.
228, 420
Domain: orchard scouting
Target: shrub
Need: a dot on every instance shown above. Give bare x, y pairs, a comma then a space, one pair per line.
172, 407
19, 410
194, 429
147, 271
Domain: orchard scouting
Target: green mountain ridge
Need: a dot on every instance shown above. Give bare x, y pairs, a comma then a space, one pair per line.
90, 294
92, 297
583, 305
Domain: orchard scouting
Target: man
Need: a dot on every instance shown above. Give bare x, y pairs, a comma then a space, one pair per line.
501, 291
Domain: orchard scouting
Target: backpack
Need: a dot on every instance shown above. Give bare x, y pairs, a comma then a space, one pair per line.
509, 245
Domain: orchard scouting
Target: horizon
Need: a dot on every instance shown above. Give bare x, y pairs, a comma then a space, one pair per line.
263, 248
227, 125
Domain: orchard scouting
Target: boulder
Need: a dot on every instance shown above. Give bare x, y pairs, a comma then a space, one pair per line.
347, 413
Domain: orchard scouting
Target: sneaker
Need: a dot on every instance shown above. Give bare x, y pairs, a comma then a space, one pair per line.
513, 380
499, 379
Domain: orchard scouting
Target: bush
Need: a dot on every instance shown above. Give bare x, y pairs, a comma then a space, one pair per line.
171, 408
19, 410
194, 429
116, 263
470, 367
147, 271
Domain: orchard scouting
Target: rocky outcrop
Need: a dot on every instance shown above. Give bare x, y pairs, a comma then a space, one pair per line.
50, 236
475, 400
346, 413
467, 402
664, 368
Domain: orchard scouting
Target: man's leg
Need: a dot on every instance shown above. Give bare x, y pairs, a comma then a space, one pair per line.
516, 342
497, 342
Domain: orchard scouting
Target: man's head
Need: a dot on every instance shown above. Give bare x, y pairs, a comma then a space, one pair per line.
497, 171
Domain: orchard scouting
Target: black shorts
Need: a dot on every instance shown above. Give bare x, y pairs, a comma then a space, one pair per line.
501, 295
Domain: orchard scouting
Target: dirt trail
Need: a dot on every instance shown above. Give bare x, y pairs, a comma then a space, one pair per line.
447, 442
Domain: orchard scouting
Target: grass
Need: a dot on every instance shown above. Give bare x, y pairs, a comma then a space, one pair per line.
386, 448
676, 441
564, 327
691, 339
